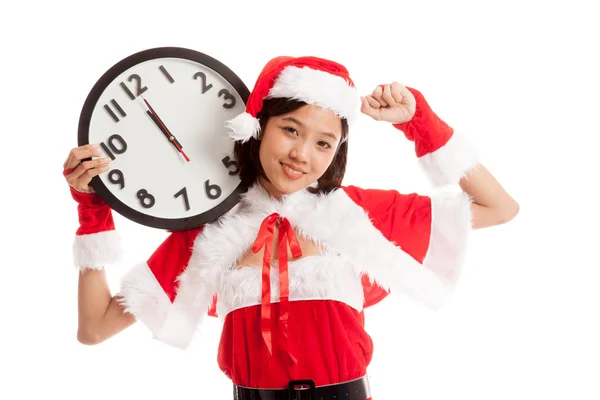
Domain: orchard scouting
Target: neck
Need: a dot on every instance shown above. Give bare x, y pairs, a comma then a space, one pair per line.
270, 188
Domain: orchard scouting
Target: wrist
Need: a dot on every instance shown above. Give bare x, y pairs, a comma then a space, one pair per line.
444, 155
96, 243
425, 128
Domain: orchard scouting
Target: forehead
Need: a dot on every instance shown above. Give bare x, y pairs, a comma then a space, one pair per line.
316, 119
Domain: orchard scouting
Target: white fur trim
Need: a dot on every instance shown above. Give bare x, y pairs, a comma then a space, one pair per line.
317, 87
450, 227
243, 127
320, 277
448, 164
95, 250
197, 286
142, 296
332, 221
373, 254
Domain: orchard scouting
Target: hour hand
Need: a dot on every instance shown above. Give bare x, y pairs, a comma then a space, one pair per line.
156, 119
167, 134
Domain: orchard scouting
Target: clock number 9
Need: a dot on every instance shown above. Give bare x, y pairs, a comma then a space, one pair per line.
209, 190
146, 199
118, 180
228, 96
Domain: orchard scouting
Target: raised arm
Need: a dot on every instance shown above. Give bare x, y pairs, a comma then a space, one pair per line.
446, 157
491, 204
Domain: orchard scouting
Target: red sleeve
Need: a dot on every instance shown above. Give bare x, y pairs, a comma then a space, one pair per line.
171, 258
431, 229
404, 219
149, 289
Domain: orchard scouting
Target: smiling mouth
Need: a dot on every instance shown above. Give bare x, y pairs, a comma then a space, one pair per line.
292, 170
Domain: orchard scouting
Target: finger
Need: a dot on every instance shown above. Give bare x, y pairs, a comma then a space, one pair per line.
378, 95
372, 102
76, 155
368, 110
387, 95
84, 180
83, 167
81, 153
398, 91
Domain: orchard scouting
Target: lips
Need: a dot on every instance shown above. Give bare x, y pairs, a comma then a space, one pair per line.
289, 174
293, 167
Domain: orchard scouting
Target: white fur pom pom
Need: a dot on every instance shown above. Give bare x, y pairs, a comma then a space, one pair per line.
243, 127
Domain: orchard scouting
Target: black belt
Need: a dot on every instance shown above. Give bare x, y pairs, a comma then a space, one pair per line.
305, 390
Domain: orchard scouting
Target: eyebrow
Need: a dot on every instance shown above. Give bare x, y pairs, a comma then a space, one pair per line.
331, 135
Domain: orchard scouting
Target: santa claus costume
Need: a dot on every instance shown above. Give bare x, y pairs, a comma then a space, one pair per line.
295, 326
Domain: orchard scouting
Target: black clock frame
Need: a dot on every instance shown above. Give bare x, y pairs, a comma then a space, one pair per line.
171, 224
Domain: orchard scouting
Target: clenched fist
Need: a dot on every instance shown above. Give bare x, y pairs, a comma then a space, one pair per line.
391, 103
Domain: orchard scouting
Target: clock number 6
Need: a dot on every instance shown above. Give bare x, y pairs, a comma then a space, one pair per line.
209, 190
146, 199
227, 96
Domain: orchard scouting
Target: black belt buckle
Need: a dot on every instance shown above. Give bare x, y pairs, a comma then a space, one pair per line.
302, 390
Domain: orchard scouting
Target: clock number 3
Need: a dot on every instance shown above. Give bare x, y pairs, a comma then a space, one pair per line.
227, 96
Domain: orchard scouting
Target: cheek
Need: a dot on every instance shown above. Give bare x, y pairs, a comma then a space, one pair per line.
322, 162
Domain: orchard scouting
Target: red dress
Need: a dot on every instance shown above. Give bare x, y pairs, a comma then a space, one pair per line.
301, 318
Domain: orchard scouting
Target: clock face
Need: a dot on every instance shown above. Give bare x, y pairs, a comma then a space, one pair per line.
160, 116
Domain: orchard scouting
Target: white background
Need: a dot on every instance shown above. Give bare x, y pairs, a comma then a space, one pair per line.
520, 77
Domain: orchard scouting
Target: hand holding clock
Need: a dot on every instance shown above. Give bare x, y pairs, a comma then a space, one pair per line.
79, 174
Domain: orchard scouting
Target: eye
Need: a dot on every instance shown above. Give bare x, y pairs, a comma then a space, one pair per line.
290, 129
324, 144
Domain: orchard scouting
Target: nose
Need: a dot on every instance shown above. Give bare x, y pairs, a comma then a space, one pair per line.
299, 152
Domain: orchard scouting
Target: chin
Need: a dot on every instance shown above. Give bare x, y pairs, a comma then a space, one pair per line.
289, 187
282, 185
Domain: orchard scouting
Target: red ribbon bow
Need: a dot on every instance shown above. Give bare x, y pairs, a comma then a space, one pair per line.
265, 238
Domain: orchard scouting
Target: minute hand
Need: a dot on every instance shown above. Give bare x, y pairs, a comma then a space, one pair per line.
156, 119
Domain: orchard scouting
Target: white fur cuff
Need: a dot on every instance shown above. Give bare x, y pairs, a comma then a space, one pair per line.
448, 164
142, 296
450, 227
95, 250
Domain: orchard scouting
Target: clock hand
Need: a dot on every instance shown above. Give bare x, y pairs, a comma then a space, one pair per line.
156, 119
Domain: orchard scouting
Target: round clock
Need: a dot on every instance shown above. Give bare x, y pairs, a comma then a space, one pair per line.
160, 116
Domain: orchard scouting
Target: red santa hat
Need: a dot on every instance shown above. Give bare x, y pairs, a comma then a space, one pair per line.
314, 80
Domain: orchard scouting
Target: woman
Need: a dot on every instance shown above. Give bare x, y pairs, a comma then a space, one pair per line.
291, 268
